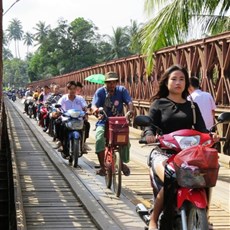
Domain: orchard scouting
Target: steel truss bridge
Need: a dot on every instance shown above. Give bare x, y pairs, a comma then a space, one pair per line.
208, 59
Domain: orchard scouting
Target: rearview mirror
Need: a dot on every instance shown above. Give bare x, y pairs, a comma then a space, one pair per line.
224, 118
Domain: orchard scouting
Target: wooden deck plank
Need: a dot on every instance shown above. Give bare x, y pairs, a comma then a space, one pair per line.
48, 200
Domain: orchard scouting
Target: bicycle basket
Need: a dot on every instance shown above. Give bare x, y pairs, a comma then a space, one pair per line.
118, 131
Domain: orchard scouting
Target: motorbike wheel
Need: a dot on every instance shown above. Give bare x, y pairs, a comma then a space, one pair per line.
197, 219
76, 152
117, 173
30, 113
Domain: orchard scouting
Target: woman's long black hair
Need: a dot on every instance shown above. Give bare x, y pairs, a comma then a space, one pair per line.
163, 89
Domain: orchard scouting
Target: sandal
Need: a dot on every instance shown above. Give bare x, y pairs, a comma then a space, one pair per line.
125, 170
101, 172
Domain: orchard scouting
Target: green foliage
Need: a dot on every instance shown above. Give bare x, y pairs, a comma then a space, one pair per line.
28, 40
82, 30
15, 72
15, 32
70, 47
172, 20
119, 43
134, 36
6, 54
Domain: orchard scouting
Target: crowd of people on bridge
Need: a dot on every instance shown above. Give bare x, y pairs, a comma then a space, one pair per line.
111, 97
170, 109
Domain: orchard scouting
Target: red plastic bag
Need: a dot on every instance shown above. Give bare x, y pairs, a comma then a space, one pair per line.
201, 156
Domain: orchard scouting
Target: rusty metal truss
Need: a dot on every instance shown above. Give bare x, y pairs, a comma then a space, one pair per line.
208, 59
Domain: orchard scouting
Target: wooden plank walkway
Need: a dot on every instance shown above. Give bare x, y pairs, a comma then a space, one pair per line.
136, 187
48, 200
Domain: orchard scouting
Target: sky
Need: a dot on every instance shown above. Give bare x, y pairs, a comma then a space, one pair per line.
105, 14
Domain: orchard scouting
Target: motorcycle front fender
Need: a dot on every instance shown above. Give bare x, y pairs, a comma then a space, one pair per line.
197, 197
74, 135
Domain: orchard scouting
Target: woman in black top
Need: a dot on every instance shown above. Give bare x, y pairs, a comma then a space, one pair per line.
170, 111
171, 116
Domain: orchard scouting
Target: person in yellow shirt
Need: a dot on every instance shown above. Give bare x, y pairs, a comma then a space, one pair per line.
36, 94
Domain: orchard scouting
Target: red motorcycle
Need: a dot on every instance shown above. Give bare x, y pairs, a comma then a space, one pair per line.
190, 172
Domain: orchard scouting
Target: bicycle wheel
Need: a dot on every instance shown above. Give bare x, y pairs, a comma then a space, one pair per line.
108, 167
117, 173
197, 219
108, 177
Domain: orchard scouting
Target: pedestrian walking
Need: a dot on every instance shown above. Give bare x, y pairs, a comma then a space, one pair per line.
204, 100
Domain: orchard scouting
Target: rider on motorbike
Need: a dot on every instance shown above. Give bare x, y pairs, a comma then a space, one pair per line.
69, 101
28, 93
42, 100
170, 111
52, 99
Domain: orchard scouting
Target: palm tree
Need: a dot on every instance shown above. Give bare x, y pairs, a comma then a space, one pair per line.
15, 32
28, 40
134, 35
174, 19
42, 32
5, 40
119, 43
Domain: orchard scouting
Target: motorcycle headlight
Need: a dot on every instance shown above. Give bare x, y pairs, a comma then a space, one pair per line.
185, 142
75, 124
74, 113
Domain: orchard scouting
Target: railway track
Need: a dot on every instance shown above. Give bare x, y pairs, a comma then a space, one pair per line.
50, 188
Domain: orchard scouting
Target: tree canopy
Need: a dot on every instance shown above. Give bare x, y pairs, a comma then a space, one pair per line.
173, 22
69, 47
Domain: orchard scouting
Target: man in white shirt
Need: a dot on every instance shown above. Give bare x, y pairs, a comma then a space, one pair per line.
204, 100
69, 101
77, 102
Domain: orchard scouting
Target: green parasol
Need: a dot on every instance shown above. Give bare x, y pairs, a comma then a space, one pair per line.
96, 78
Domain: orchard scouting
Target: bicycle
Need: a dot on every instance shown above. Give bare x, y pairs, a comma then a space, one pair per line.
117, 137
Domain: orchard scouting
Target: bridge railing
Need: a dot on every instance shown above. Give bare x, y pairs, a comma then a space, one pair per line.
208, 59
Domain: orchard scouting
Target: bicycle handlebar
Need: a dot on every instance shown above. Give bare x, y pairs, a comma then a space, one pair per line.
223, 139
143, 141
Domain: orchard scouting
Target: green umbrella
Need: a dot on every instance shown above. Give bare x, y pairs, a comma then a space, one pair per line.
96, 78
